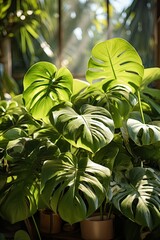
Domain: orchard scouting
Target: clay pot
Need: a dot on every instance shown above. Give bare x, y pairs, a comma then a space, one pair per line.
94, 228
50, 222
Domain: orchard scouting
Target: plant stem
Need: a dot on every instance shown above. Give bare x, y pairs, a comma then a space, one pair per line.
140, 106
36, 227
142, 164
110, 211
101, 212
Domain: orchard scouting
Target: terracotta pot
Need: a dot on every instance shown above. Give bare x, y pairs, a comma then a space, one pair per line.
50, 222
95, 229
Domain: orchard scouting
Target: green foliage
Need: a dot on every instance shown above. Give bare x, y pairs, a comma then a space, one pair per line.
141, 133
115, 62
21, 234
23, 20
91, 128
15, 122
138, 30
74, 182
49, 87
19, 197
149, 93
138, 196
4, 8
77, 144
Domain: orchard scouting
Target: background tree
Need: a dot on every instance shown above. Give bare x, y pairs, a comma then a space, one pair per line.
22, 21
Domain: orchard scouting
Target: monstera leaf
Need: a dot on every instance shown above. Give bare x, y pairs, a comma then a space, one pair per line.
115, 62
119, 101
20, 194
150, 94
45, 86
74, 186
79, 85
138, 197
90, 128
143, 134
15, 122
9, 113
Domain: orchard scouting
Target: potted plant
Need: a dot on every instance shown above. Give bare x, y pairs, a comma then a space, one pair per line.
100, 225
93, 137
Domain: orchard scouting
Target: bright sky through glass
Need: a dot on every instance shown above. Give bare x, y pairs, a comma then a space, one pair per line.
120, 4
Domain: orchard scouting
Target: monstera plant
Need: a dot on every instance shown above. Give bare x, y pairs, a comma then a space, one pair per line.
87, 142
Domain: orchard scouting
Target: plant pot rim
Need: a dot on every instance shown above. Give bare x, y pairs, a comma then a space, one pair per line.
97, 217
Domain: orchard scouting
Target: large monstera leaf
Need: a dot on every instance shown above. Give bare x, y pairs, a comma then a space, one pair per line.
90, 128
115, 62
19, 195
45, 86
138, 197
74, 186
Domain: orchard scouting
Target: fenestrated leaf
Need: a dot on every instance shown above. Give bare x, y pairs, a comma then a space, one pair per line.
138, 197
119, 101
45, 86
90, 128
9, 113
116, 62
19, 194
74, 186
141, 133
15, 121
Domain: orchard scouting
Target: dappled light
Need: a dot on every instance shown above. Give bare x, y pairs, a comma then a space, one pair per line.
79, 119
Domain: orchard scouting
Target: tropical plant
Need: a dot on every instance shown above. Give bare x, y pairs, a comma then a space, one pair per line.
21, 28
137, 30
23, 20
84, 142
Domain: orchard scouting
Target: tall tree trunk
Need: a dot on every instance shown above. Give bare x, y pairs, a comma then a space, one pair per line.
5, 55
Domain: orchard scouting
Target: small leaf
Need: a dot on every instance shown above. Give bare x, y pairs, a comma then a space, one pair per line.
14, 133
21, 234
